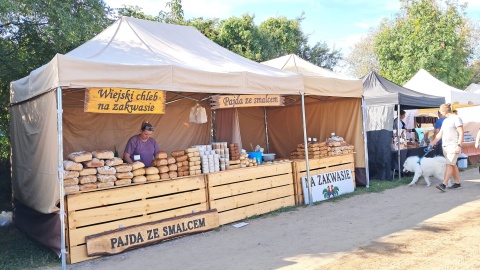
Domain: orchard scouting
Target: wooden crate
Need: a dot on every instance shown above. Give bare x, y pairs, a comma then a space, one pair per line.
319, 166
238, 194
109, 209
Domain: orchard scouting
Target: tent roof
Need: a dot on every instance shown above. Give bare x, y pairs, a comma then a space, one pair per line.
319, 81
473, 87
380, 91
134, 53
424, 82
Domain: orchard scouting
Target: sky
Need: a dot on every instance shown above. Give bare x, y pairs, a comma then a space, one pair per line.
339, 23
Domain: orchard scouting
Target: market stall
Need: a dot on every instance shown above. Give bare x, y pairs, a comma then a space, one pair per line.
382, 99
50, 120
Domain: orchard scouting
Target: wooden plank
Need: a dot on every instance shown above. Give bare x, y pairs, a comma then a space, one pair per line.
257, 209
79, 254
134, 192
232, 176
249, 186
324, 162
120, 240
252, 198
130, 209
328, 169
77, 236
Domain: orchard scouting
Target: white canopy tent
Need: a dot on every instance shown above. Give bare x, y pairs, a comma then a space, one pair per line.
424, 82
473, 87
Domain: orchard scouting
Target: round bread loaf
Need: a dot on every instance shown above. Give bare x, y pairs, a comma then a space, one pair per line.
164, 176
72, 165
124, 175
94, 163
152, 177
123, 182
106, 178
125, 167
103, 154
71, 189
172, 174
152, 170
88, 171
139, 179
70, 182
160, 162
161, 154
138, 172
70, 174
87, 179
163, 169
106, 170
137, 165
80, 156
114, 161
171, 160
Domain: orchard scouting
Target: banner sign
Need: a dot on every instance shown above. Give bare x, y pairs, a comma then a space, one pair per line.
116, 241
235, 101
328, 185
124, 101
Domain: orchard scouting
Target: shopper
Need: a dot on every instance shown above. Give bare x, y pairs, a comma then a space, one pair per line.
451, 133
402, 124
438, 124
141, 147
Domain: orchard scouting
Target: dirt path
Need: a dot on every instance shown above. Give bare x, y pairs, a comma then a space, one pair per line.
402, 228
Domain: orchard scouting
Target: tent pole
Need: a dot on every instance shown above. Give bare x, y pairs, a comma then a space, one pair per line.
60, 176
310, 197
398, 140
364, 115
213, 131
266, 128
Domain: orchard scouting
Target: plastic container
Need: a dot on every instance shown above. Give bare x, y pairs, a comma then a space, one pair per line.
269, 157
462, 161
256, 155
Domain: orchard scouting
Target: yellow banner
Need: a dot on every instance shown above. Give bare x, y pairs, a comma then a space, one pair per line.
124, 101
235, 101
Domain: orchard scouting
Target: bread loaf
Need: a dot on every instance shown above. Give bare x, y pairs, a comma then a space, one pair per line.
80, 156
139, 179
182, 158
103, 154
161, 154
70, 174
183, 168
70, 182
102, 178
94, 163
106, 184
178, 153
191, 150
153, 177
86, 179
138, 172
172, 174
89, 186
152, 170
172, 167
123, 182
88, 171
125, 167
171, 160
185, 163
194, 159
164, 176
72, 165
163, 169
137, 165
114, 161
160, 162
106, 170
71, 189
124, 175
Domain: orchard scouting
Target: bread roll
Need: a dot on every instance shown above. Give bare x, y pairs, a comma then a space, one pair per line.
182, 158
106, 184
106, 170
191, 150
160, 162
185, 163
80, 156
103, 154
70, 174
70, 182
124, 175
161, 154
72, 165
71, 189
190, 155
183, 168
89, 186
164, 176
178, 153
172, 167
88, 171
163, 169
123, 182
137, 165
194, 159
114, 161
173, 174
139, 179
196, 167
179, 164
94, 163
125, 167
153, 177
86, 179
171, 160
138, 172
103, 178
152, 170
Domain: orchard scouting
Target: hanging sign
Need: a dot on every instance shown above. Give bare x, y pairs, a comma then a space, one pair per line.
124, 101
328, 185
235, 101
119, 240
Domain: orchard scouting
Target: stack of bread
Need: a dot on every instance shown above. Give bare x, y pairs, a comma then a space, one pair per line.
123, 174
194, 162
138, 172
180, 167
338, 146
234, 152
161, 164
247, 162
315, 150
70, 176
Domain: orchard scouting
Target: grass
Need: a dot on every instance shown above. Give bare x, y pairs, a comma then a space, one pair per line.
20, 252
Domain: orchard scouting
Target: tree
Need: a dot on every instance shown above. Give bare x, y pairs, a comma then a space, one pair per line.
362, 59
280, 36
320, 55
32, 32
428, 35
475, 70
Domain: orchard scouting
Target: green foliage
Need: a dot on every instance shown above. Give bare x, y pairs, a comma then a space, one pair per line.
425, 35
475, 71
281, 36
320, 55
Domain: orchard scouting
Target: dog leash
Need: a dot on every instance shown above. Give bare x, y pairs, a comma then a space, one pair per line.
426, 150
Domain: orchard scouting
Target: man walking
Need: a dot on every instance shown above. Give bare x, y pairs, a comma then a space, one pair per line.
451, 134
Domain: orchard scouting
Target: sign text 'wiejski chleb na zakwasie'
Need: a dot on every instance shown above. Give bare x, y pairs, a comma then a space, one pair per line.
235, 101
124, 101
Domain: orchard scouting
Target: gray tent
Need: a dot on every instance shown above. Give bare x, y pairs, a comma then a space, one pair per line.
382, 97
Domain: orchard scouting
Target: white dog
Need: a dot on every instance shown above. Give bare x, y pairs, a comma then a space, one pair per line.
425, 167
